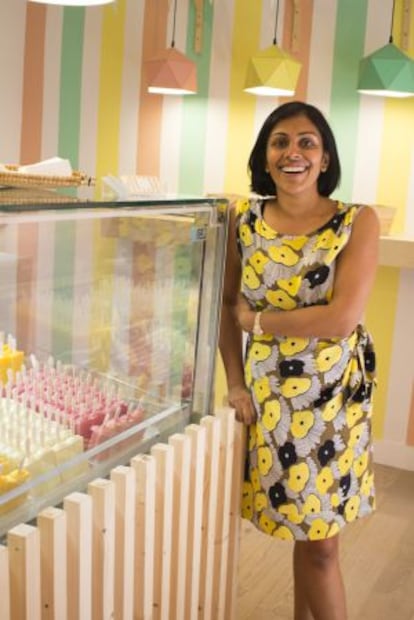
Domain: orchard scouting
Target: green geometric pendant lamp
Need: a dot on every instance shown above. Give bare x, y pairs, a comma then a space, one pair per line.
272, 71
387, 72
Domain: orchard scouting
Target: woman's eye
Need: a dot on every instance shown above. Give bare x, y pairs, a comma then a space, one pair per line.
280, 143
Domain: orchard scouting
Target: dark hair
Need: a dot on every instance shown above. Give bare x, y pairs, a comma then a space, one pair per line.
261, 182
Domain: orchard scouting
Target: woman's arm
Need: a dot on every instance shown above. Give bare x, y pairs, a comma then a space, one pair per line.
354, 277
231, 337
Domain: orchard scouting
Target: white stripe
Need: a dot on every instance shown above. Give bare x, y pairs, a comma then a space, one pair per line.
401, 374
131, 84
218, 98
371, 111
51, 86
12, 40
82, 279
8, 279
409, 211
322, 47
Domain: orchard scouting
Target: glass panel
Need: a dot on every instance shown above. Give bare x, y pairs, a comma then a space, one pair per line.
109, 324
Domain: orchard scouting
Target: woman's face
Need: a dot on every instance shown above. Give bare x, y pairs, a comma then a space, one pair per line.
295, 156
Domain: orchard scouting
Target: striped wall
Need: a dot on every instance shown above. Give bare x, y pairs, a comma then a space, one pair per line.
74, 85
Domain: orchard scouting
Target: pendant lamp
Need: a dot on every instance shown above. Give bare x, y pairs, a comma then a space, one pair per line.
74, 2
170, 72
387, 72
272, 71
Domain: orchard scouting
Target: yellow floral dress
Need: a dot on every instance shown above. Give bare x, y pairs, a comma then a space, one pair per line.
309, 457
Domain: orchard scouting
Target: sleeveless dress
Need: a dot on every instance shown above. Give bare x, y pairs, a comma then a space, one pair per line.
309, 457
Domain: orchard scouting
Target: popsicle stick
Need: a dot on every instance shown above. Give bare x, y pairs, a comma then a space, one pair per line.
78, 508
24, 560
53, 563
102, 493
4, 584
124, 481
211, 484
164, 458
144, 467
197, 435
181, 486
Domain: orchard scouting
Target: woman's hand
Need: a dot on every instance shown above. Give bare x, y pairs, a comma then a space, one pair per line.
239, 398
244, 314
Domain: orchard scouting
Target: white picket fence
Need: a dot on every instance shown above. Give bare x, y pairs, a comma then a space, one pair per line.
158, 540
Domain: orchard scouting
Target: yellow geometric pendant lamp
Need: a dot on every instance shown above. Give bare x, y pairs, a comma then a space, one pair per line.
387, 72
170, 72
272, 71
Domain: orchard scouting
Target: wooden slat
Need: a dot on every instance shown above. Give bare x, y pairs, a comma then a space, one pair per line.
102, 493
235, 519
24, 559
164, 457
124, 481
78, 508
197, 435
53, 563
213, 429
181, 487
144, 467
4, 584
223, 514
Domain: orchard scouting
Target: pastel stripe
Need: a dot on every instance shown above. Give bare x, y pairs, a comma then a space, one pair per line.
43, 297
348, 50
12, 39
321, 52
216, 120
241, 109
400, 373
381, 311
108, 124
82, 278
89, 95
150, 106
371, 112
33, 84
130, 87
51, 88
195, 109
68, 147
299, 24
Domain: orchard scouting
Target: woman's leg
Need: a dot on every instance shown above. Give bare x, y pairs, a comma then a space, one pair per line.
319, 590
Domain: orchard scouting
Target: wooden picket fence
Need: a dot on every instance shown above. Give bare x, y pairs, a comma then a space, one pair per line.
157, 540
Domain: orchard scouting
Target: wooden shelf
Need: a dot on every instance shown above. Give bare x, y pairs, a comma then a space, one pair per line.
397, 251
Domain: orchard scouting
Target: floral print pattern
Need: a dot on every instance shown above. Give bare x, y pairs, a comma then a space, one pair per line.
309, 458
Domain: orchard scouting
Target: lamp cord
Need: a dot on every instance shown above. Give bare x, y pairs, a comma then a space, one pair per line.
276, 20
173, 28
392, 21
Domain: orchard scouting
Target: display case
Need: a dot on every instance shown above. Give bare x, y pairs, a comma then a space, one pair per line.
109, 317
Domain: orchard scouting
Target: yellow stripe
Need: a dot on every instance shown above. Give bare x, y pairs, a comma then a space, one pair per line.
110, 95
241, 109
380, 319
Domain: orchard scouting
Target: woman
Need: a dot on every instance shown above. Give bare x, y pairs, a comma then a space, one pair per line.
305, 265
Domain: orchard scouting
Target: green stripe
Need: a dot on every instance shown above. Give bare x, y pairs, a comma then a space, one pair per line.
68, 147
193, 137
344, 110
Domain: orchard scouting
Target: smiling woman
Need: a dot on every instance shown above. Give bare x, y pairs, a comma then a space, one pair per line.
299, 270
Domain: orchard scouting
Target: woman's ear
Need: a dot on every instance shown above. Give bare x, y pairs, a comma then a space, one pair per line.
325, 162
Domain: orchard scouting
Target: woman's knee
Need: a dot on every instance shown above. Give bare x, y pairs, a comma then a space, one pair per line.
321, 554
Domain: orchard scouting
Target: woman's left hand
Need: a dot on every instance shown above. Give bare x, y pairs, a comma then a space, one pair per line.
244, 313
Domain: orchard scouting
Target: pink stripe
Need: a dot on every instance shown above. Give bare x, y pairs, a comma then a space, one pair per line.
300, 47
33, 74
150, 106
